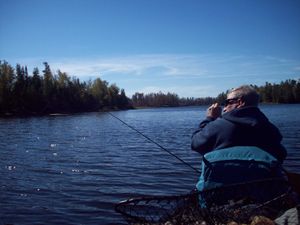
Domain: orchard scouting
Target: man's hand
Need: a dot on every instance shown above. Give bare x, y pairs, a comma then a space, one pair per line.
214, 111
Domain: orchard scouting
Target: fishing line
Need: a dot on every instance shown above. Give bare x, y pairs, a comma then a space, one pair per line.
154, 142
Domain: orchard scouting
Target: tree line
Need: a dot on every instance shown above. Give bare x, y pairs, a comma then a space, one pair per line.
286, 92
45, 92
170, 99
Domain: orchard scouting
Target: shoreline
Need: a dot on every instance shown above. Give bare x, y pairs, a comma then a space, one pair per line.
5, 115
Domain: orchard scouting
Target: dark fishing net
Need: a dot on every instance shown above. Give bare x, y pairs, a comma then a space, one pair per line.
238, 202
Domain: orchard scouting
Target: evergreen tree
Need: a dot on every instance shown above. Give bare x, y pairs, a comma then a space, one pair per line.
100, 92
48, 85
7, 77
113, 95
35, 91
123, 100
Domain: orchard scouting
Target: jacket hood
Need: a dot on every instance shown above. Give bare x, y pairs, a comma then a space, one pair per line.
249, 116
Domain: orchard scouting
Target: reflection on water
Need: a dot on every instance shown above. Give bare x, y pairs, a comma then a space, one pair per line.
73, 169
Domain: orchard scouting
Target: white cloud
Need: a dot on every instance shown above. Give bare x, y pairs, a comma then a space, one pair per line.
190, 65
168, 65
197, 75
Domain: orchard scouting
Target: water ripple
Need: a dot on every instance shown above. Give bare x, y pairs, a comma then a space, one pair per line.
73, 169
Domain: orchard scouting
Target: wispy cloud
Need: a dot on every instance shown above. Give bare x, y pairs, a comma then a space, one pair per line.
185, 74
173, 65
209, 65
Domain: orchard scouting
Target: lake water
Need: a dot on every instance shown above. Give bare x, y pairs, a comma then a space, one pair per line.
74, 169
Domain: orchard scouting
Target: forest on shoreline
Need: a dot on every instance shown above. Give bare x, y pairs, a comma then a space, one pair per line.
286, 92
42, 93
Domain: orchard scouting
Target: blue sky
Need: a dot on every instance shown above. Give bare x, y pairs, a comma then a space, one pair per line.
194, 48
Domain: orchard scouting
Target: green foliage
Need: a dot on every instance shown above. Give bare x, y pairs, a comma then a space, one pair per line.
286, 92
21, 94
160, 99
7, 78
155, 100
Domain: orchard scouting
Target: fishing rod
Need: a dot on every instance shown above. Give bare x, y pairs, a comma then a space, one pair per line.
154, 142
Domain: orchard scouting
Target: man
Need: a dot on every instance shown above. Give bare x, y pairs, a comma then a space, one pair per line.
240, 148
242, 124
242, 156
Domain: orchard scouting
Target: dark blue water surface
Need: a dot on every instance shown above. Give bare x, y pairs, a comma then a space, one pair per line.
73, 169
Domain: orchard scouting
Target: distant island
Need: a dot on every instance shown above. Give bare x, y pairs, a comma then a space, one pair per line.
22, 94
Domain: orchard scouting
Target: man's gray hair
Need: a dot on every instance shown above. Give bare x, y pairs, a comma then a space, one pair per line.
247, 94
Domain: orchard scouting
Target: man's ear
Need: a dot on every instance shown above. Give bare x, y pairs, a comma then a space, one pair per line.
241, 103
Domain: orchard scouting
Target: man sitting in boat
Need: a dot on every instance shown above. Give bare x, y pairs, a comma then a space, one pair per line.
239, 146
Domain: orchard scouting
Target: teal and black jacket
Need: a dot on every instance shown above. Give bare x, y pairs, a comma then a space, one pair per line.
238, 164
241, 172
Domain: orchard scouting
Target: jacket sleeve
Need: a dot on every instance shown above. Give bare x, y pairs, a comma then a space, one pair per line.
279, 150
203, 138
281, 153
